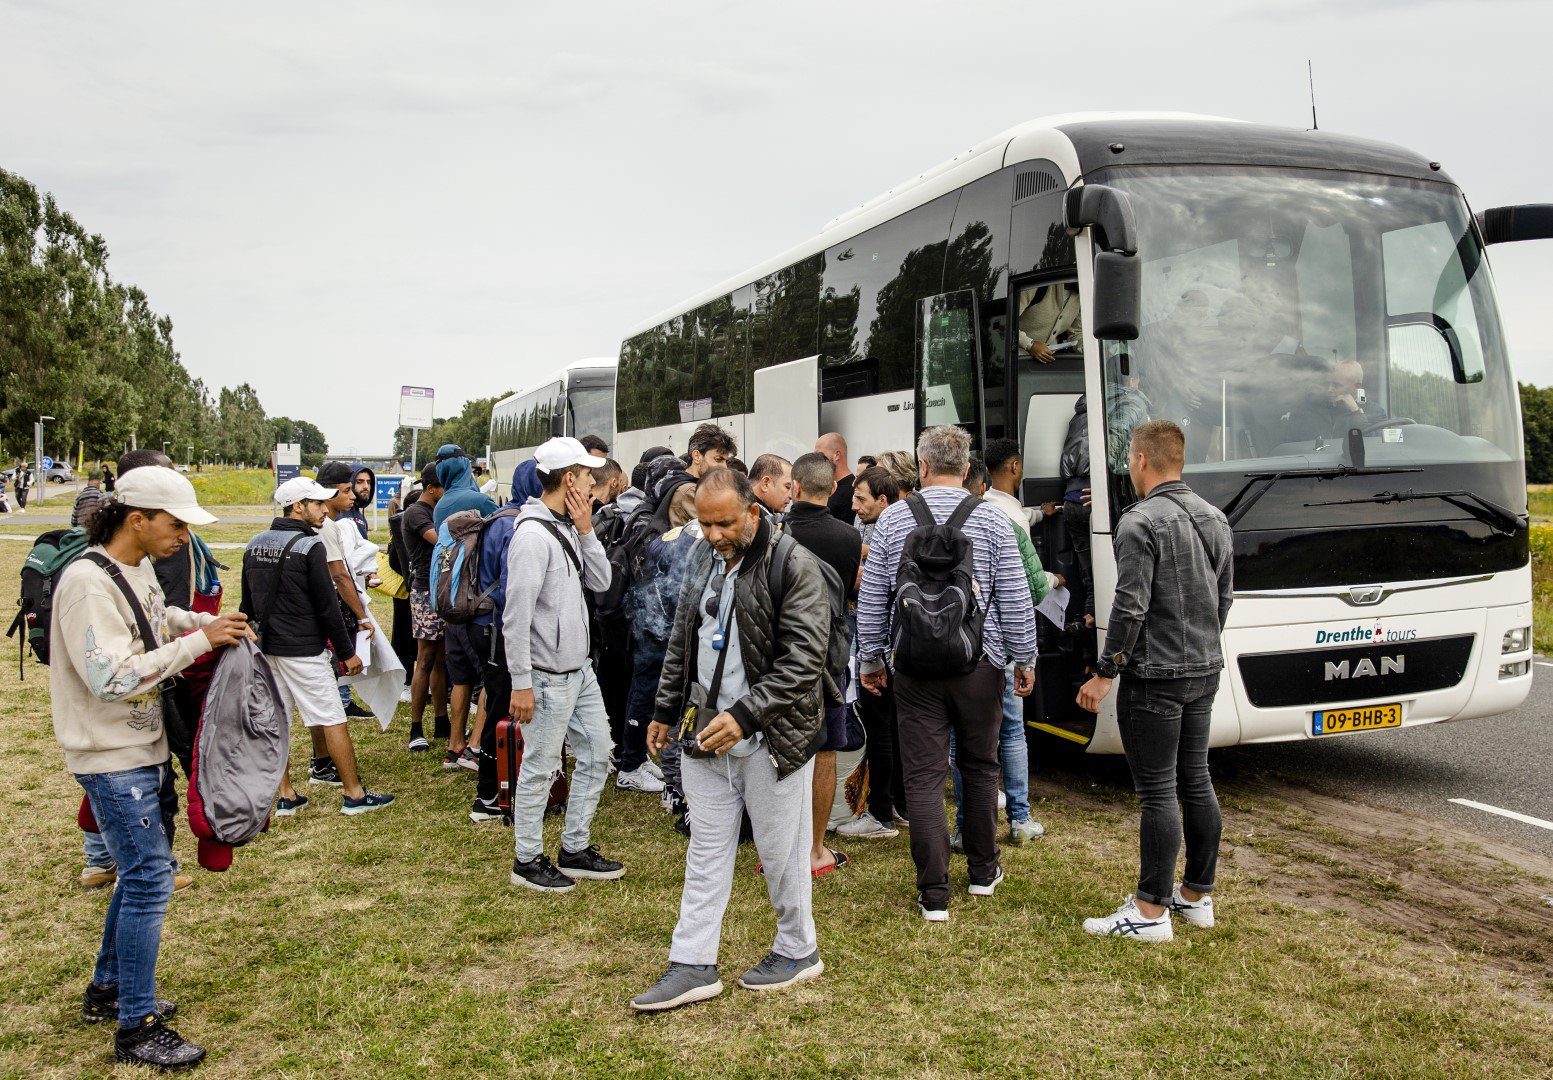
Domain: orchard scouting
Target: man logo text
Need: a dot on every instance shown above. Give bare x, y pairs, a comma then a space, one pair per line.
1347, 669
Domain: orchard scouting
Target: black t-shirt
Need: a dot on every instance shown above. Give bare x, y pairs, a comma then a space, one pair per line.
841, 546
840, 504
413, 524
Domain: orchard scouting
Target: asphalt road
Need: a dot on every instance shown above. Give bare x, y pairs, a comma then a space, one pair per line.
1503, 761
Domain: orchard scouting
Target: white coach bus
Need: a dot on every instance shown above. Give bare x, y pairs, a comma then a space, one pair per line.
1317, 313
578, 400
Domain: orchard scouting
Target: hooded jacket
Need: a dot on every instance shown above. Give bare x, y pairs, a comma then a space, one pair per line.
459, 490
306, 617
525, 483
783, 652
545, 612
357, 514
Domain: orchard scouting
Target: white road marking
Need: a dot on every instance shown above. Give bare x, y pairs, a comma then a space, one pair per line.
1511, 814
1543, 663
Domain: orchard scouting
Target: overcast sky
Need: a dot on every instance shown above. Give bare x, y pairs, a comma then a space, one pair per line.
334, 199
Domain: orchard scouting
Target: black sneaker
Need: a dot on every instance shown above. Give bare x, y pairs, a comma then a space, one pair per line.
450, 759
154, 1043
369, 801
441, 728
356, 711
101, 1003
322, 771
538, 873
288, 807
588, 863
480, 810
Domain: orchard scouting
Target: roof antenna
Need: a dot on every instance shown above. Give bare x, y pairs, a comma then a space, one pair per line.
1310, 75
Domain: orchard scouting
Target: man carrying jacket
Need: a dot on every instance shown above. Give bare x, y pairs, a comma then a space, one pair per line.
290, 595
755, 662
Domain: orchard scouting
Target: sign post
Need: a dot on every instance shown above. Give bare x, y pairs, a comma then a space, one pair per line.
288, 462
417, 408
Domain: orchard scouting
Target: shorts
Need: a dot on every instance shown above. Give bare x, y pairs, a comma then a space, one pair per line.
835, 728
425, 623
463, 661
307, 684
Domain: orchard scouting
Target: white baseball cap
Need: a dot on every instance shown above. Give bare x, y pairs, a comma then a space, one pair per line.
563, 453
300, 488
152, 487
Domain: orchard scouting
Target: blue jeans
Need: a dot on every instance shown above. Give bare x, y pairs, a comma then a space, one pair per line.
96, 850
1013, 756
135, 811
566, 708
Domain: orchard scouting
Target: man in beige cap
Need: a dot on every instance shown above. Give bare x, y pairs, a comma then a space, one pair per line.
112, 643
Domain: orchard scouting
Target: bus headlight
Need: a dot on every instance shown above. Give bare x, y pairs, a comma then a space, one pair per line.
1514, 671
1515, 640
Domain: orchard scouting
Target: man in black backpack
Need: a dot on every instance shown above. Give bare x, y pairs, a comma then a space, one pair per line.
967, 613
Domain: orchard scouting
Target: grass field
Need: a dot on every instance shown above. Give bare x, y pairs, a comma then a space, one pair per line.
249, 487
392, 945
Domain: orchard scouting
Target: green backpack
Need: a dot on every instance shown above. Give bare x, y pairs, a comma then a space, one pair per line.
50, 554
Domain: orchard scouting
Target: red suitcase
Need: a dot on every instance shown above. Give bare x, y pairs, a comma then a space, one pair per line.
509, 759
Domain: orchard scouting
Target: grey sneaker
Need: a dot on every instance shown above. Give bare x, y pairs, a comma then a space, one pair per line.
866, 827
777, 971
680, 984
957, 842
1022, 832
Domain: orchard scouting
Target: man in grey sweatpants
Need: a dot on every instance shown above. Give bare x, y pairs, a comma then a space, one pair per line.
555, 695
749, 651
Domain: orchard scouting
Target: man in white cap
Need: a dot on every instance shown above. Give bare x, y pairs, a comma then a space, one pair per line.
113, 642
552, 557
290, 595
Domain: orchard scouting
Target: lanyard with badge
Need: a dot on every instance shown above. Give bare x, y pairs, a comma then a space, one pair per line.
702, 708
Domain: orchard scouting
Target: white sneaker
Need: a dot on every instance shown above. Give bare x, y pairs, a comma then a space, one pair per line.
986, 890
1002, 800
1021, 832
866, 827
1197, 912
932, 914
1128, 922
404, 696
639, 779
652, 766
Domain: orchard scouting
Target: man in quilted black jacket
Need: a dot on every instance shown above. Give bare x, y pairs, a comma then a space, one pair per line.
752, 661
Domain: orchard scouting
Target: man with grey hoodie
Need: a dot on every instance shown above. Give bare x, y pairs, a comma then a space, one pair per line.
552, 557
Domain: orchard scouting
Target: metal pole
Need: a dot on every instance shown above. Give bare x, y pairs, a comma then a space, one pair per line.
39, 481
415, 434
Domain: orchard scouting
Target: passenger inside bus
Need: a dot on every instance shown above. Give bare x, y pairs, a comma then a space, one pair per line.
1343, 403
1049, 321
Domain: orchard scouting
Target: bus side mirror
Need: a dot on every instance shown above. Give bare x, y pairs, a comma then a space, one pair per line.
1118, 281
1118, 270
1507, 224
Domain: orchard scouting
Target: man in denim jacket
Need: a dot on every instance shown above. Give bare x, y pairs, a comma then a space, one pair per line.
1174, 559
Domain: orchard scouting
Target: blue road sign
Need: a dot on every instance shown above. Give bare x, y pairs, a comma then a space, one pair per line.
48, 462
387, 488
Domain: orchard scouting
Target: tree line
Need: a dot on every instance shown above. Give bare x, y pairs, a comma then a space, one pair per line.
77, 345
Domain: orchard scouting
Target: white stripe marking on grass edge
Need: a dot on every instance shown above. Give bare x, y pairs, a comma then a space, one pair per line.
1525, 818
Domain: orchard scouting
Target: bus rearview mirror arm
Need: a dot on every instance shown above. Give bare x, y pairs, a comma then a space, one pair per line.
1118, 270
1508, 224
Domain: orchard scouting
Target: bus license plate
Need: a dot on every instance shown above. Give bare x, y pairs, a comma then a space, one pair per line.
1365, 718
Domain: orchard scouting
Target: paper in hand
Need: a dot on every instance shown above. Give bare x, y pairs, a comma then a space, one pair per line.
1055, 607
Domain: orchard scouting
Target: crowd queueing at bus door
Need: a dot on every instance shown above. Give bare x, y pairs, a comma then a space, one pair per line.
733, 641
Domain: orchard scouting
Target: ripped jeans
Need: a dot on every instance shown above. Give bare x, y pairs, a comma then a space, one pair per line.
135, 811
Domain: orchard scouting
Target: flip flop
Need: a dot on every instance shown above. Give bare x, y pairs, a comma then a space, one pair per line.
841, 860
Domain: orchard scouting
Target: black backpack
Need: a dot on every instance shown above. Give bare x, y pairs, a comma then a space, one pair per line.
937, 614
838, 653
609, 604
50, 554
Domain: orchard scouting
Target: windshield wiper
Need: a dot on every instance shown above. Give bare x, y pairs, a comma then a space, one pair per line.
1235, 509
1485, 510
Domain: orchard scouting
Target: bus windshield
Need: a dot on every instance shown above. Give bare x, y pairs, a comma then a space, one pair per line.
593, 411
1283, 308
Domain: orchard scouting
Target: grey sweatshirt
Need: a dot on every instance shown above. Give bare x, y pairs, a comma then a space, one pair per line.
545, 620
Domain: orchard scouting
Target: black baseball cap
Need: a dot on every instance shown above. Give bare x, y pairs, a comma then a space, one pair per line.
332, 473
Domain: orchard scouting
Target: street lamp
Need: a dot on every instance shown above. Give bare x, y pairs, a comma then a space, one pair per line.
164, 447
37, 447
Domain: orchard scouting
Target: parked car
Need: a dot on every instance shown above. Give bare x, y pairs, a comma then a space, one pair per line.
58, 473
182, 468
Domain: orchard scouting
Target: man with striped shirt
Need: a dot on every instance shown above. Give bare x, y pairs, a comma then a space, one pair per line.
972, 704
